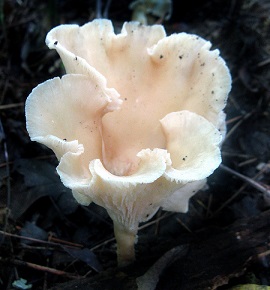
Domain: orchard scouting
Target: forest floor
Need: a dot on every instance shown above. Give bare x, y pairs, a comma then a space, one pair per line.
52, 242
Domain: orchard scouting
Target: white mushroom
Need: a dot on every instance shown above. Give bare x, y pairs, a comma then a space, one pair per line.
135, 122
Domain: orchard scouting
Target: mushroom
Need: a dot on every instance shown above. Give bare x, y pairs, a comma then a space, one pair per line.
136, 123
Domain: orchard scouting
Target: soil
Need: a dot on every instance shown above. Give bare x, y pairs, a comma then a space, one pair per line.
52, 242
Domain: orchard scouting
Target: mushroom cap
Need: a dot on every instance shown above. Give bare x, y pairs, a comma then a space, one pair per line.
136, 121
153, 74
65, 115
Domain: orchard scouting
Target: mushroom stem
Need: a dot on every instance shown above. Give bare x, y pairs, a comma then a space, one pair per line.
125, 239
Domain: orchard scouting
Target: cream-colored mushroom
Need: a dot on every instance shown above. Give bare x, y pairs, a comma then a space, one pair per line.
136, 121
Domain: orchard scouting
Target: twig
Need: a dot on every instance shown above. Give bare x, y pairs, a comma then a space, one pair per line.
264, 62
98, 9
56, 240
38, 241
246, 179
233, 129
208, 212
155, 221
106, 9
3, 141
105, 13
45, 269
235, 154
232, 120
184, 225
36, 158
249, 161
11, 106
230, 199
102, 244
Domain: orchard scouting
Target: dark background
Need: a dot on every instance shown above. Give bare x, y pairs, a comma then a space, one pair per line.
34, 203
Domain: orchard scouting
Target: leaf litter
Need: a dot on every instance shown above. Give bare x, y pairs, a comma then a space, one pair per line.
46, 238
